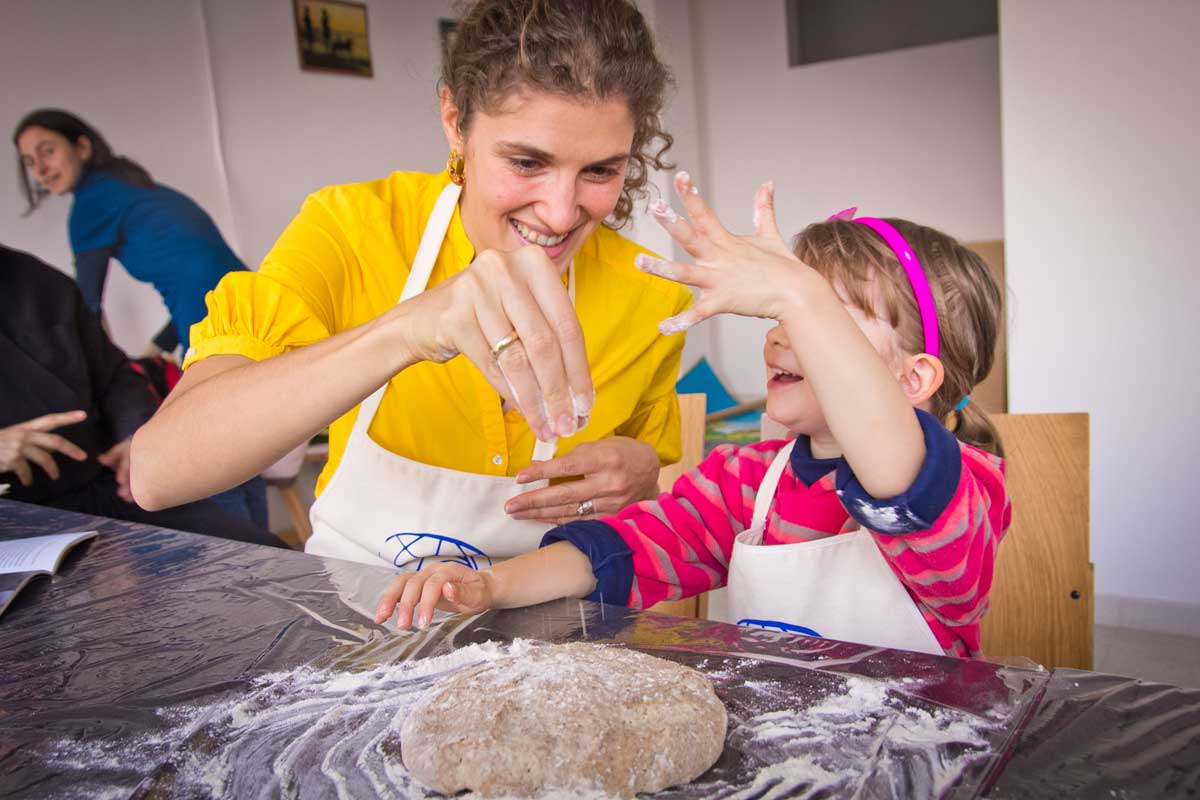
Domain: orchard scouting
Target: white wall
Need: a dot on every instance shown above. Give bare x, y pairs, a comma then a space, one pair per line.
136, 70
209, 96
913, 133
286, 132
1101, 171
674, 32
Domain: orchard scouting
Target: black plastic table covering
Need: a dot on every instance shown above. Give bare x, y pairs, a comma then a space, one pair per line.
164, 664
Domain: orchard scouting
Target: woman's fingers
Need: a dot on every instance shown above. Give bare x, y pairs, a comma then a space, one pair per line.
24, 471
51, 421
533, 336
40, 457
531, 307
507, 351
554, 302
476, 348
52, 441
560, 500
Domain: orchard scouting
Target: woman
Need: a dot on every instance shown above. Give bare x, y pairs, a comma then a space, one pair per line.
550, 110
161, 237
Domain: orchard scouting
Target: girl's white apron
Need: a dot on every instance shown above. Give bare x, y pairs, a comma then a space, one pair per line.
379, 507
838, 588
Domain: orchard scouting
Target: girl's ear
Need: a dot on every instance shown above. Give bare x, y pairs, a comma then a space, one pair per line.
920, 378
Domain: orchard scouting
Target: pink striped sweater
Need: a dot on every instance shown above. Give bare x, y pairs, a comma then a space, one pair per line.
940, 537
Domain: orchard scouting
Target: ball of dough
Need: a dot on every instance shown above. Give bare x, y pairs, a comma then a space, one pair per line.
574, 716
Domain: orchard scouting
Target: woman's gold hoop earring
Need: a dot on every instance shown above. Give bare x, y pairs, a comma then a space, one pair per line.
454, 165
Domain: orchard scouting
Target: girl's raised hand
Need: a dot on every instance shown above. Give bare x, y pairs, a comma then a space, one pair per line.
451, 587
746, 275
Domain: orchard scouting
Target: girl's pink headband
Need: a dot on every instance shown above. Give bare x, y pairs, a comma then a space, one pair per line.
912, 267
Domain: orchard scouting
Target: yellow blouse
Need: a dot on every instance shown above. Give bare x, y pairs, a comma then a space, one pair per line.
343, 261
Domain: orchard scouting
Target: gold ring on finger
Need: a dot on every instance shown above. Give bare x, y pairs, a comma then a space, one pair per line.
500, 346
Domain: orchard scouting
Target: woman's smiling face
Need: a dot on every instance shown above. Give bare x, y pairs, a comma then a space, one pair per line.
541, 169
55, 163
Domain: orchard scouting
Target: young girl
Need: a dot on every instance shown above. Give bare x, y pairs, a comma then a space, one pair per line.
875, 524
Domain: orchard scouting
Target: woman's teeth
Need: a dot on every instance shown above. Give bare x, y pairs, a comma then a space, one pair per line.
534, 237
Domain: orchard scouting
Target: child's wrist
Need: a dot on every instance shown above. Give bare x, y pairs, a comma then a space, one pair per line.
798, 293
494, 587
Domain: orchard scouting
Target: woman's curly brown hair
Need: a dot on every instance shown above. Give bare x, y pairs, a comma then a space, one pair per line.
593, 49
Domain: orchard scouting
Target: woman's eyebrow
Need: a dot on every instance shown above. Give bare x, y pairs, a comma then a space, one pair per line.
542, 155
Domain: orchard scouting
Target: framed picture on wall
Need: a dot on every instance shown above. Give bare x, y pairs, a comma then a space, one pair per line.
331, 36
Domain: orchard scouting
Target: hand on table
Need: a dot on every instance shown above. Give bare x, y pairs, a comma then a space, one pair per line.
31, 441
616, 472
510, 314
451, 587
746, 275
117, 459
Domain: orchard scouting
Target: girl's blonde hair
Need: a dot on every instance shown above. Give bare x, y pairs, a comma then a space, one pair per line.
857, 261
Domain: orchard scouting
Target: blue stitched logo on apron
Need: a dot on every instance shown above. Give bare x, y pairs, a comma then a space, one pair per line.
446, 550
771, 624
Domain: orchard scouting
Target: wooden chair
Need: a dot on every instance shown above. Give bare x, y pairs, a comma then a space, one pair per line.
283, 477
691, 415
1041, 600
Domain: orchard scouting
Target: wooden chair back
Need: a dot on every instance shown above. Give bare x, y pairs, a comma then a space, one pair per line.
691, 415
1041, 600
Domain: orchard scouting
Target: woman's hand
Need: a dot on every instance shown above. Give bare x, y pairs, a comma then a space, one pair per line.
747, 275
451, 587
510, 314
32, 441
116, 458
616, 472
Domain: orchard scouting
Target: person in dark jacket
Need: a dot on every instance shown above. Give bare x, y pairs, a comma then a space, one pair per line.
70, 403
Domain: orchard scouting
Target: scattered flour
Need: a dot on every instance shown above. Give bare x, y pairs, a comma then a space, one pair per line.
335, 733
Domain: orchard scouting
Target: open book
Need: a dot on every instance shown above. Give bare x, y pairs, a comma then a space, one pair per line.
21, 560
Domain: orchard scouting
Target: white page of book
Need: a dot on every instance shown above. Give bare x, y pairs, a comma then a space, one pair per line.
38, 553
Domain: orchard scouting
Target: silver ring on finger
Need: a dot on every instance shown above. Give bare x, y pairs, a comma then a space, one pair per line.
500, 346
586, 508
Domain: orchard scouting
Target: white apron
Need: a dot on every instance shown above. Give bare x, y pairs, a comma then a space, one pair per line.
837, 588
379, 507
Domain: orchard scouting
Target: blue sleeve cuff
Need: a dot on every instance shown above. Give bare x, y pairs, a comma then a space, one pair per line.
612, 559
927, 499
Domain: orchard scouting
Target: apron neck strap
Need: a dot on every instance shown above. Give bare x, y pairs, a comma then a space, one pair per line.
418, 278
766, 490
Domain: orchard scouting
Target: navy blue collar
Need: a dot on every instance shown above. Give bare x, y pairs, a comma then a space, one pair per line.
808, 469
